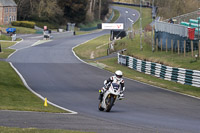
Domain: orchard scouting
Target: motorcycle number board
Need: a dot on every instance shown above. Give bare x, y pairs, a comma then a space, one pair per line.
112, 26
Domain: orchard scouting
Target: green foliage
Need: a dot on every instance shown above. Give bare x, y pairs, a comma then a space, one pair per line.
27, 24
49, 25
91, 24
4, 37
74, 10
61, 11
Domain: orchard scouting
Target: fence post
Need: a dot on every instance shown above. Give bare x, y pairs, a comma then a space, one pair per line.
192, 48
166, 45
178, 43
172, 46
199, 47
184, 48
161, 44
157, 44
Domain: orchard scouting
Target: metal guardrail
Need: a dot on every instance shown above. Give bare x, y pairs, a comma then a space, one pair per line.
137, 5
180, 75
171, 28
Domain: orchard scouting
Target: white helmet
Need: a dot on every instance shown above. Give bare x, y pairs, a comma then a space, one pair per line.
118, 74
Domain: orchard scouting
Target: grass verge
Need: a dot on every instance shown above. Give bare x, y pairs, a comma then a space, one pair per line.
13, 94
5, 51
21, 30
33, 130
93, 49
116, 16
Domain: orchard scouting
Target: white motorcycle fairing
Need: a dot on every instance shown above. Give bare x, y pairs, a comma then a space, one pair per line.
110, 97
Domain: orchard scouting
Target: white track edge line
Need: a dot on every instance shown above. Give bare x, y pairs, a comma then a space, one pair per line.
38, 95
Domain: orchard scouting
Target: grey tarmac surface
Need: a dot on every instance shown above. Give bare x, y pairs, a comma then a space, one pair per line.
52, 70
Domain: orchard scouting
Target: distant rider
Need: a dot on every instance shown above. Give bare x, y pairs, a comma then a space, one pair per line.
117, 78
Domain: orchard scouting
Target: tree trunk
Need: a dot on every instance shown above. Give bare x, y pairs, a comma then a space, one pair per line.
99, 9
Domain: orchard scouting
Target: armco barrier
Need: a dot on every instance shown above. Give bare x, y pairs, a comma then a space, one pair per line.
180, 75
127, 4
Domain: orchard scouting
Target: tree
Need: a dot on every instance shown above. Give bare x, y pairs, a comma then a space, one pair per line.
74, 10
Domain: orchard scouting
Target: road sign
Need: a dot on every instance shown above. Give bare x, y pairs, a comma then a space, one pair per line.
113, 26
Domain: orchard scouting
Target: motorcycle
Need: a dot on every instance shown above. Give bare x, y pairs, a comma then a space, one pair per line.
109, 97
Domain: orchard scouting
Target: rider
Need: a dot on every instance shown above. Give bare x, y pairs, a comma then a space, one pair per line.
117, 78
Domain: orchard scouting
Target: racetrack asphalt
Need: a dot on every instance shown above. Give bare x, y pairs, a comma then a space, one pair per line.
52, 70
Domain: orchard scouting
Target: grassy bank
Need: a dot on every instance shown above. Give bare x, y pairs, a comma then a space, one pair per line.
14, 95
33, 130
93, 49
116, 16
5, 51
169, 59
112, 65
20, 30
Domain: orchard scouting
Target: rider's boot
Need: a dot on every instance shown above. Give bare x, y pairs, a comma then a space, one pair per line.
101, 93
121, 96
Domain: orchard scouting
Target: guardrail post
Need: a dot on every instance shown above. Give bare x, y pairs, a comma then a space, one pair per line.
192, 48
166, 45
178, 43
199, 48
184, 48
157, 44
172, 46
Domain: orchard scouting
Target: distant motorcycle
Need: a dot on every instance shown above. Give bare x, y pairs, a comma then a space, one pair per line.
109, 97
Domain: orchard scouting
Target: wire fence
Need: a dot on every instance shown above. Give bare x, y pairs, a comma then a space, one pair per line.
181, 47
184, 17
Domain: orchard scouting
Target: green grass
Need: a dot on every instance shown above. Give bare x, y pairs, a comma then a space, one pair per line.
97, 46
4, 37
21, 30
146, 16
116, 16
5, 51
133, 47
15, 96
33, 130
170, 59
86, 32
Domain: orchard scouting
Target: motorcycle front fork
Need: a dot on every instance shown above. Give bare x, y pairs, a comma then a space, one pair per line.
100, 96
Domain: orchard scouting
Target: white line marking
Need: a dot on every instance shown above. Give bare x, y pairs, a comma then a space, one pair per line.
38, 95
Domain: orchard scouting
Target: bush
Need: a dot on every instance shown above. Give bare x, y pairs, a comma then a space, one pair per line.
49, 25
27, 24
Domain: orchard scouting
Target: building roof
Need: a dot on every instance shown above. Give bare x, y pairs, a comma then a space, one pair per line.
7, 3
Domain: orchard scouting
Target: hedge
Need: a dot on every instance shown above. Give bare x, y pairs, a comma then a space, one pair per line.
27, 24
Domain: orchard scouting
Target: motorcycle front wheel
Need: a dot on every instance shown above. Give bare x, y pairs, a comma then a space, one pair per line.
109, 103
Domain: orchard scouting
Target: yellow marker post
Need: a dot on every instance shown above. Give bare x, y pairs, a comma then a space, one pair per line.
45, 102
